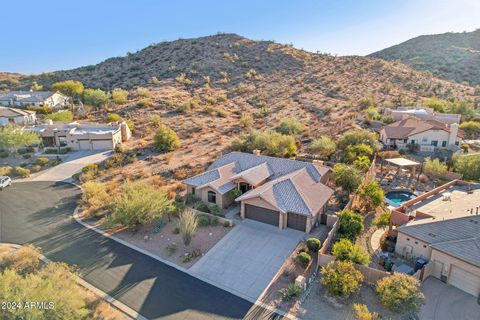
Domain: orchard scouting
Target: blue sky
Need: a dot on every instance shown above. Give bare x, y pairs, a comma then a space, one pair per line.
40, 36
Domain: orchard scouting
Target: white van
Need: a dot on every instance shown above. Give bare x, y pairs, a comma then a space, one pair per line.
5, 182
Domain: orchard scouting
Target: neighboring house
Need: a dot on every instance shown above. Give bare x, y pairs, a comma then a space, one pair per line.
443, 226
16, 116
281, 192
50, 99
82, 136
423, 113
428, 135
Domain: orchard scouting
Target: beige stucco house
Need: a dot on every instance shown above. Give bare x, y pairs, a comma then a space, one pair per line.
82, 135
443, 226
15, 116
54, 100
281, 192
424, 113
428, 135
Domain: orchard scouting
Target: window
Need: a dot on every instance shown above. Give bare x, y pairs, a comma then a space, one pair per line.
212, 197
412, 141
408, 239
62, 141
424, 139
434, 143
424, 246
444, 144
405, 140
193, 190
244, 187
416, 242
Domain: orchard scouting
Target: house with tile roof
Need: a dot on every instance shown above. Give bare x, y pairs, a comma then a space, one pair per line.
443, 227
50, 99
282, 192
427, 134
16, 116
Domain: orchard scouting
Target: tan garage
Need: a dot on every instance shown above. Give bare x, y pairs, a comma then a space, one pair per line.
262, 214
296, 221
464, 280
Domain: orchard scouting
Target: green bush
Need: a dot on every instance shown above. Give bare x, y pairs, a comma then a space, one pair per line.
341, 279
63, 116
354, 137
40, 110
347, 177
291, 291
246, 120
471, 128
434, 168
303, 259
351, 224
112, 117
171, 248
271, 143
345, 250
313, 244
6, 171
400, 292
290, 126
70, 88
145, 102
323, 146
95, 97
187, 224
468, 165
371, 194
119, 96
41, 161
166, 139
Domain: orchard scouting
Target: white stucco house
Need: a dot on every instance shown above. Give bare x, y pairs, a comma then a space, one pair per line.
50, 99
428, 135
16, 116
82, 136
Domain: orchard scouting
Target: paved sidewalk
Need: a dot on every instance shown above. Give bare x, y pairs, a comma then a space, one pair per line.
375, 239
233, 212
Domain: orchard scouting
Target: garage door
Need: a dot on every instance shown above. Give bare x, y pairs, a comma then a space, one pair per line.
464, 280
84, 145
102, 144
296, 221
261, 214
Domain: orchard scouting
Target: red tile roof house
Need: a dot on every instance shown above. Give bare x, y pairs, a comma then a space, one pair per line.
282, 192
427, 134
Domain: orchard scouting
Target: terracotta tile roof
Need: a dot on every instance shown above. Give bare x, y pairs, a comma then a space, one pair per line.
254, 175
407, 127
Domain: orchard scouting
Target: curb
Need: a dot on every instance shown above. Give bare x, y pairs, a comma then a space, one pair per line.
115, 303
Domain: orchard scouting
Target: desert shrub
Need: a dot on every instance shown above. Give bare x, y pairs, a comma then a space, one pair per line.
383, 220
171, 248
40, 110
313, 244
354, 151
347, 177
166, 139
95, 97
182, 78
41, 161
155, 120
371, 194
434, 168
221, 113
388, 154
354, 137
345, 250
70, 88
187, 224
471, 128
468, 165
437, 104
323, 146
205, 221
188, 105
24, 260
351, 224
143, 92
131, 125
137, 203
290, 126
290, 292
13, 138
246, 120
362, 163
145, 102
368, 102
269, 142
22, 172
341, 279
112, 117
303, 259
6, 171
115, 161
202, 206
371, 113
119, 96
362, 313
95, 196
400, 292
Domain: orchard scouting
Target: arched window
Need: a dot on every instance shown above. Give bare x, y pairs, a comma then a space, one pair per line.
212, 197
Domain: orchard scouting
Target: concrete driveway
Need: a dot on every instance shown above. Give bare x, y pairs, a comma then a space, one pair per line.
445, 302
71, 165
248, 257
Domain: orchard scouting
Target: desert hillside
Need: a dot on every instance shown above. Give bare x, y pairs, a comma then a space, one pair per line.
451, 56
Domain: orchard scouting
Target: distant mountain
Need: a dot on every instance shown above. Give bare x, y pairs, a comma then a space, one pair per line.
451, 56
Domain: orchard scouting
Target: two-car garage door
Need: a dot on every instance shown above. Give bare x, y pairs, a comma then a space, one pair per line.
262, 214
104, 144
464, 280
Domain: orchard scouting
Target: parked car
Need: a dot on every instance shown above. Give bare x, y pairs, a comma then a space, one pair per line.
5, 182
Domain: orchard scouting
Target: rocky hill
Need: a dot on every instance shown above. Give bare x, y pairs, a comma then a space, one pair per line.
451, 56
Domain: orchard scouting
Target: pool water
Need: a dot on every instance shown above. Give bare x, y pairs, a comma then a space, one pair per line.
396, 198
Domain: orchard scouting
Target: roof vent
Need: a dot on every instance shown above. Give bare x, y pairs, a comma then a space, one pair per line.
473, 221
256, 152
432, 235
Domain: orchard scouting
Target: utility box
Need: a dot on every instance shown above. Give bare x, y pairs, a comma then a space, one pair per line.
301, 282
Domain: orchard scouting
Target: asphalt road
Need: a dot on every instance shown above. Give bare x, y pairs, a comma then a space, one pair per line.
41, 213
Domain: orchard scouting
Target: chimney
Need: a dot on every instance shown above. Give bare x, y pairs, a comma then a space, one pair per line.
256, 152
125, 130
453, 134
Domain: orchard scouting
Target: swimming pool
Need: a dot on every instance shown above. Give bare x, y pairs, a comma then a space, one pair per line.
396, 198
